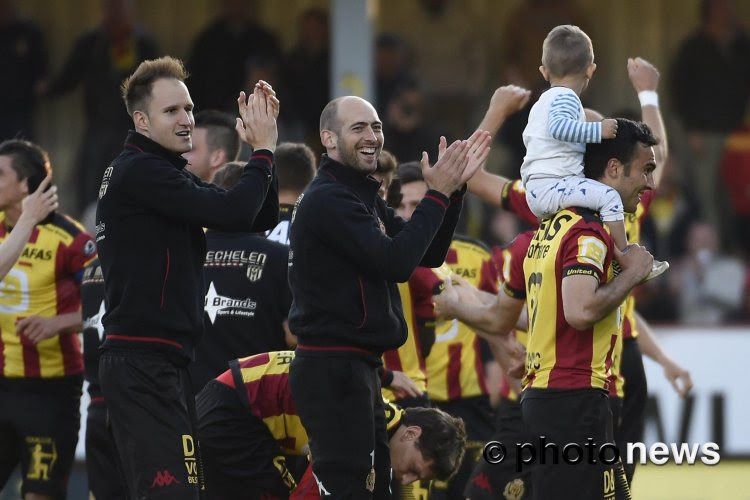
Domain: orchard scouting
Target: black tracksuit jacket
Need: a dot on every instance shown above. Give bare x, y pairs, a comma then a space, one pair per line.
348, 250
150, 219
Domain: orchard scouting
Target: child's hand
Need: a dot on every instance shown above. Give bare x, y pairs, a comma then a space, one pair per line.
609, 128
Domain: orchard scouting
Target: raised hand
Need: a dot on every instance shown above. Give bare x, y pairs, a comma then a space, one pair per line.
257, 121
446, 176
643, 75
271, 95
479, 150
38, 205
508, 99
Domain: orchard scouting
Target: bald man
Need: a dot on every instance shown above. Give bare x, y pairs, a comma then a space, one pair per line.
348, 250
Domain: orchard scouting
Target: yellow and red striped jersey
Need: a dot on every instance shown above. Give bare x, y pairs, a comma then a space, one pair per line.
45, 282
409, 358
573, 242
262, 383
633, 229
510, 260
454, 366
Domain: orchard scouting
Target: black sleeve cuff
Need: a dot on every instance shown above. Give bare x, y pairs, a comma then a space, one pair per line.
459, 193
386, 377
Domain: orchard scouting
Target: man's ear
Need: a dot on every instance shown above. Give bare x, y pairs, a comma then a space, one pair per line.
328, 139
412, 433
25, 186
614, 169
217, 158
141, 121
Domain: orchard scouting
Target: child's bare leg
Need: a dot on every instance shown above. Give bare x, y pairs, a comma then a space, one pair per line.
620, 237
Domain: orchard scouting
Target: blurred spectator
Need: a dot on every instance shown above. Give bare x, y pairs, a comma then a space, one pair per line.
453, 71
305, 73
392, 63
220, 52
525, 31
101, 59
710, 284
385, 171
23, 58
409, 130
736, 170
290, 127
711, 86
215, 143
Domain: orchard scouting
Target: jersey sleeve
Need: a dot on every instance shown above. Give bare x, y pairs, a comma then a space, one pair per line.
79, 254
514, 200
514, 284
585, 253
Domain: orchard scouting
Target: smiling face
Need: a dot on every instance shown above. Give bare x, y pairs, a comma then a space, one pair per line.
359, 139
639, 179
168, 118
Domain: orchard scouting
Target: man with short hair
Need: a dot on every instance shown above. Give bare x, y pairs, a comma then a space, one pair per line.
248, 422
215, 143
40, 316
295, 167
150, 221
247, 295
348, 250
574, 304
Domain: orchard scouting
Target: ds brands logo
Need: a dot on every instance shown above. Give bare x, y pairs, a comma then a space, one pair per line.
218, 305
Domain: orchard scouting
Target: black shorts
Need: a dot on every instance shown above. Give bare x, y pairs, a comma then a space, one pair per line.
339, 402
478, 417
147, 402
102, 465
570, 417
634, 402
238, 450
503, 480
39, 422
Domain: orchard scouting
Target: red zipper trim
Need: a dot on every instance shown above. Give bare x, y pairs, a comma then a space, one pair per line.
164, 285
364, 304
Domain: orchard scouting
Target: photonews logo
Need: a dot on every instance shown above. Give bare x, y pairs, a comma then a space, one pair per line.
544, 452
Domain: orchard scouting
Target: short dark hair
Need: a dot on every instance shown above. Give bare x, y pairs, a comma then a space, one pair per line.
443, 439
28, 160
629, 135
220, 131
567, 50
136, 89
409, 172
295, 166
406, 173
229, 174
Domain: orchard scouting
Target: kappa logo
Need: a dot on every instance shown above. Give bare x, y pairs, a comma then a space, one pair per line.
218, 305
163, 478
482, 481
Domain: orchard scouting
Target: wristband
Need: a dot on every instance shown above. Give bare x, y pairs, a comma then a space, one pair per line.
648, 98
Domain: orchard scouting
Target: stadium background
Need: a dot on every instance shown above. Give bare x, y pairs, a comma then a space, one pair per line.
619, 29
